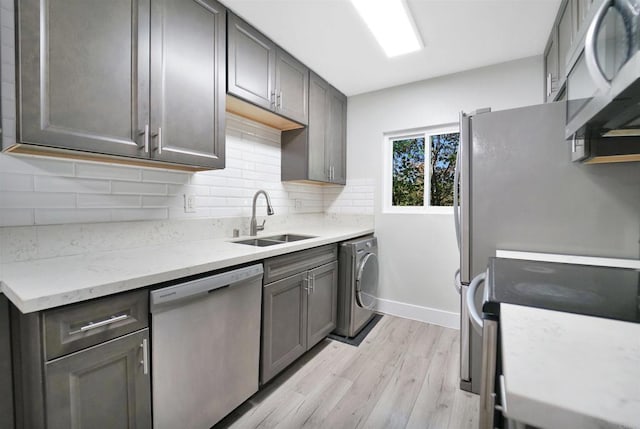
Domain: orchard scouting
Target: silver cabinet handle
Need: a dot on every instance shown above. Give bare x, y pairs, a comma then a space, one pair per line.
145, 356
307, 284
474, 316
280, 101
95, 325
159, 136
145, 139
273, 100
313, 284
590, 55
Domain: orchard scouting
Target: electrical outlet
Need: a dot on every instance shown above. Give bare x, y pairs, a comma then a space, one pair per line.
189, 203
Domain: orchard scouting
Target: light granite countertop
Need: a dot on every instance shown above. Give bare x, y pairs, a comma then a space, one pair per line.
565, 370
39, 284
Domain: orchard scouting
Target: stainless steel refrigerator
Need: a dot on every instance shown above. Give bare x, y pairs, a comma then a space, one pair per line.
519, 190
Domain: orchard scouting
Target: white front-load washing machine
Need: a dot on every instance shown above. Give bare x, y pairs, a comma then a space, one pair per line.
357, 284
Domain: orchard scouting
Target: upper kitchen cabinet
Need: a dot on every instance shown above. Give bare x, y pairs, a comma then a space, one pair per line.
137, 79
568, 31
318, 152
265, 75
551, 70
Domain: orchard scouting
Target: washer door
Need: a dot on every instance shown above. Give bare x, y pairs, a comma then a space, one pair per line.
367, 281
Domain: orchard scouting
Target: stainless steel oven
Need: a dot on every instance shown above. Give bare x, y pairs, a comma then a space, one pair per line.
599, 291
603, 84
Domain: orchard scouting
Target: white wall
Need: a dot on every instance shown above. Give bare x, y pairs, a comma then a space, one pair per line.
418, 252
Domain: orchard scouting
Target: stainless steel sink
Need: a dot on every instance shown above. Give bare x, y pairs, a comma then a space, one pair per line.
273, 240
285, 238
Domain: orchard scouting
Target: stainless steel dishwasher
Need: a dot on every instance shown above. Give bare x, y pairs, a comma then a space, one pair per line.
205, 344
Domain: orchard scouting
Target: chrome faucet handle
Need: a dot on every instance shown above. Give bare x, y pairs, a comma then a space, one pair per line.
261, 227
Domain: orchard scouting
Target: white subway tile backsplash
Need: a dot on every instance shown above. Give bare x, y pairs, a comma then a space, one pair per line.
24, 200
15, 217
187, 189
163, 176
34, 165
166, 201
107, 171
16, 182
63, 216
202, 201
108, 201
140, 188
70, 184
42, 191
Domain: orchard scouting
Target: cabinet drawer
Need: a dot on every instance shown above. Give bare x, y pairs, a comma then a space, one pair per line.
284, 266
75, 327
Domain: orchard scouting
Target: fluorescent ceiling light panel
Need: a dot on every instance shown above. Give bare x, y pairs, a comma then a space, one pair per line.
391, 24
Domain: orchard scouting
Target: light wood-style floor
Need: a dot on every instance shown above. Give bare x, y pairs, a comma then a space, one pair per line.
403, 375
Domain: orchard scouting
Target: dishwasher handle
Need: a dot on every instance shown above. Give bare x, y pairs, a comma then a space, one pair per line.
170, 296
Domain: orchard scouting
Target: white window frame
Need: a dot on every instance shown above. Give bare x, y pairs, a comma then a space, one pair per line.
387, 176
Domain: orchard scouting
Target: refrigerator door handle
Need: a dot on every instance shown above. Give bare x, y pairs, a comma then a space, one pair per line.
474, 315
456, 202
464, 212
456, 281
465, 357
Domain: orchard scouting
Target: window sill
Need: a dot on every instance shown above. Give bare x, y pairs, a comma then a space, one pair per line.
418, 210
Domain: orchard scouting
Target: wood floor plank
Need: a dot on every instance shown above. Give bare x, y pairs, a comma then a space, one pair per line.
394, 407
403, 375
432, 405
317, 405
362, 396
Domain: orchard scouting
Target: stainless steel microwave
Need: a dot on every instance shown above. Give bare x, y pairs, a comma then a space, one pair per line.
603, 85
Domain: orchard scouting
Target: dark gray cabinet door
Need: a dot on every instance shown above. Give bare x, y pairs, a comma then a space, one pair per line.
292, 88
318, 152
322, 303
551, 67
84, 74
337, 138
251, 64
100, 387
565, 37
284, 324
318, 131
6, 387
188, 82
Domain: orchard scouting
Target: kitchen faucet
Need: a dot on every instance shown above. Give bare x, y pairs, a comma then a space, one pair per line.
254, 228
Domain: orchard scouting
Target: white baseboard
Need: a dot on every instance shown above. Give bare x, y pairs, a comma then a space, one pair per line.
434, 316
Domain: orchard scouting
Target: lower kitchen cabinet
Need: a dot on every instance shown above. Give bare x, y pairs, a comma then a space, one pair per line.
298, 311
6, 389
284, 324
106, 386
84, 365
322, 303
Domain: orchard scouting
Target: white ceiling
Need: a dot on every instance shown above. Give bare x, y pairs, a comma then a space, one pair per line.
330, 38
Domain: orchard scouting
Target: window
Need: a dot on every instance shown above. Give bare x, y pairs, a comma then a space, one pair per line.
419, 170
